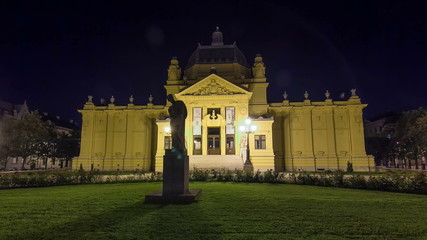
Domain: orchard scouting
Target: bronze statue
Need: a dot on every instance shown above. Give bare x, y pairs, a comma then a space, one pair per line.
175, 162
178, 114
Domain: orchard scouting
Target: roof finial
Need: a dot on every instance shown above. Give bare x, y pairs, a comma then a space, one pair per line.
217, 38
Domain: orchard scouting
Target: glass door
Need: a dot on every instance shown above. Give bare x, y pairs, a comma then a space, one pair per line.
214, 141
229, 145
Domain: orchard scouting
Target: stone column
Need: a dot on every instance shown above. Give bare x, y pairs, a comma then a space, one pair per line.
86, 149
287, 141
330, 134
129, 160
308, 161
108, 161
204, 139
223, 138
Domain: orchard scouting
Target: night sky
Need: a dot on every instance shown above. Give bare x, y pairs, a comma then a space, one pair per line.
55, 53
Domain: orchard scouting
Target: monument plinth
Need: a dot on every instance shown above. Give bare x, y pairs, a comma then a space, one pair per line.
175, 162
175, 182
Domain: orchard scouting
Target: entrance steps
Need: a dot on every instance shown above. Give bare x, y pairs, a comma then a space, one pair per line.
216, 162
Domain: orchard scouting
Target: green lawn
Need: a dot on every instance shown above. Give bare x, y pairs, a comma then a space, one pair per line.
225, 211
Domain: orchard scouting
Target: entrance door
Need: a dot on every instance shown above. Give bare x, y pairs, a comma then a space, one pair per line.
214, 141
230, 145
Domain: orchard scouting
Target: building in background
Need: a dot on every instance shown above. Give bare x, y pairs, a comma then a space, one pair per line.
11, 111
16, 112
382, 125
223, 95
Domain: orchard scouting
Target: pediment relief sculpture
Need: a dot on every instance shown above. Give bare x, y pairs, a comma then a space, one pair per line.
213, 88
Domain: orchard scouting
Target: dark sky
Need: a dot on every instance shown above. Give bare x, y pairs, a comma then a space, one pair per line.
55, 53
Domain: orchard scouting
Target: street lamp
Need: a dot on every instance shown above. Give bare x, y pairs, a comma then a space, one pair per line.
248, 128
167, 139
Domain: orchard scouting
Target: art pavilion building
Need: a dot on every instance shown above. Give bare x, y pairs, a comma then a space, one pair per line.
221, 91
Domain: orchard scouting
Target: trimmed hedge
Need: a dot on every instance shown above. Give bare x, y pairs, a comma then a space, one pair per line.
58, 178
391, 182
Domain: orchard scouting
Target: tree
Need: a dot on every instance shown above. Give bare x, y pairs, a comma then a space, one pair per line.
25, 136
68, 146
47, 148
378, 146
411, 134
4, 155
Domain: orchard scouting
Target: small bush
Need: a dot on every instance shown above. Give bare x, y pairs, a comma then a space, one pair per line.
337, 178
271, 176
419, 183
325, 181
225, 176
199, 175
306, 179
356, 182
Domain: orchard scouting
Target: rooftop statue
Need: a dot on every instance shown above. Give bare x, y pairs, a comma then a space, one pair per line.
258, 69
174, 71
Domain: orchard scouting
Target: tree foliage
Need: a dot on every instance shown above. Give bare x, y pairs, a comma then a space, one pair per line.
411, 137
25, 135
31, 138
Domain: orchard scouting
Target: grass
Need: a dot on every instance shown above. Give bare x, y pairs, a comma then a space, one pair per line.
225, 211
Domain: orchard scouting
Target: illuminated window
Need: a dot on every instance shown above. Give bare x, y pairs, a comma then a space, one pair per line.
168, 142
260, 142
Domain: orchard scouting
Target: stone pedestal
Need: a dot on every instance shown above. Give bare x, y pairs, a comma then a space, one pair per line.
175, 181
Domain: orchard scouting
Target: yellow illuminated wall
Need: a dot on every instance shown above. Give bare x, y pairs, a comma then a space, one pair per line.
324, 135
299, 136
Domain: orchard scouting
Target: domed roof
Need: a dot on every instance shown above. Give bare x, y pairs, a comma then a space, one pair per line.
217, 53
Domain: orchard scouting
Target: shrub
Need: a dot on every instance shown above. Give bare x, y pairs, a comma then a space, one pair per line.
306, 179
199, 175
325, 181
271, 176
337, 178
225, 176
380, 183
355, 181
257, 176
419, 183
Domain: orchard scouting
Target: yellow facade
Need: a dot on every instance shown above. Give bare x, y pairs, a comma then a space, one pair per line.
221, 91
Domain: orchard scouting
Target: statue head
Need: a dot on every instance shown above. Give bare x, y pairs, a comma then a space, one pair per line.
171, 98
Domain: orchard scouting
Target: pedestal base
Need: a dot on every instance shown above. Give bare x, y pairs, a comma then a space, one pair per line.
248, 167
188, 197
175, 181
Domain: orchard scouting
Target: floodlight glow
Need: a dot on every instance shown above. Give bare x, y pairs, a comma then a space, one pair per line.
253, 128
168, 129
242, 128
248, 121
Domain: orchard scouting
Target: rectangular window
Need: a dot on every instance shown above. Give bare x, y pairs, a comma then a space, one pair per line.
197, 121
229, 120
14, 160
260, 142
168, 142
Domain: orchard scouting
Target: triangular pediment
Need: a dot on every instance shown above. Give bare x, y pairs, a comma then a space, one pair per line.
213, 85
